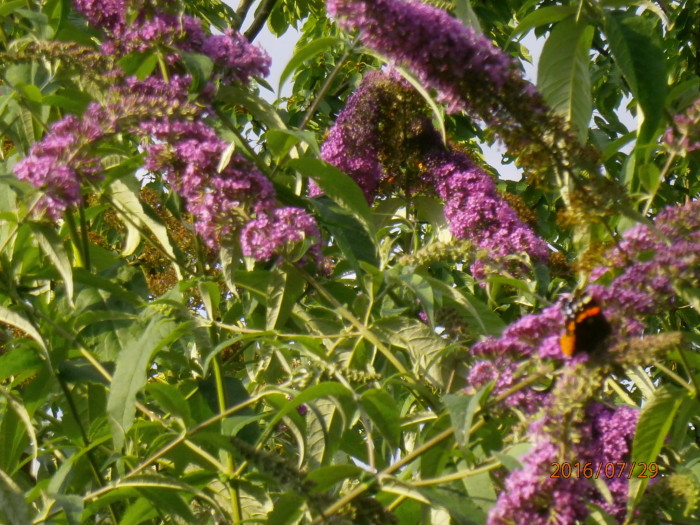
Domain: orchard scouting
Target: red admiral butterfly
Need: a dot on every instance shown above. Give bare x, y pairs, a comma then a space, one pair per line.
586, 327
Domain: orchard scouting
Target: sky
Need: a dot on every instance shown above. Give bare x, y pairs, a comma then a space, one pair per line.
281, 51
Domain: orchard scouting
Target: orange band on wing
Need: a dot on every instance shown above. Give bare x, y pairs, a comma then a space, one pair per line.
588, 312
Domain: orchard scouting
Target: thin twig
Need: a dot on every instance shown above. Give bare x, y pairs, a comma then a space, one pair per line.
260, 19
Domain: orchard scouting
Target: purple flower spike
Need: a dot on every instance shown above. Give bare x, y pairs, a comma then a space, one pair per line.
353, 143
476, 211
270, 233
444, 53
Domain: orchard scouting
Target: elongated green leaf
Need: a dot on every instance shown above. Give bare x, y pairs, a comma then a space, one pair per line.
51, 244
286, 286
128, 200
287, 509
381, 408
138, 64
18, 361
325, 477
438, 112
320, 390
18, 407
18, 321
423, 344
13, 509
258, 107
7, 7
543, 16
563, 75
478, 314
465, 12
310, 50
130, 376
652, 429
339, 187
352, 239
636, 46
158, 482
461, 408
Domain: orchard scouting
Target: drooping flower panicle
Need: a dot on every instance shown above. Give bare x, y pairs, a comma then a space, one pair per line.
178, 143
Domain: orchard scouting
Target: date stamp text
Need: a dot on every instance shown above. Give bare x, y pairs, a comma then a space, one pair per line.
610, 470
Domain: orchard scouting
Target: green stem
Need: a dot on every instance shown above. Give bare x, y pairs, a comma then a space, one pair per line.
84, 237
230, 462
327, 84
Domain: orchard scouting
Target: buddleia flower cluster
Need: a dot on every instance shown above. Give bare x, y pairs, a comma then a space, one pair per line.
359, 144
630, 289
176, 32
684, 136
468, 73
178, 144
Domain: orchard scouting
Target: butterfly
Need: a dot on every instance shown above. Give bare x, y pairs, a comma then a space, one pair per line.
586, 327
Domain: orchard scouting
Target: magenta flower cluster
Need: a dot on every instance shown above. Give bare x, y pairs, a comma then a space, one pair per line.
684, 136
239, 198
56, 166
264, 236
475, 211
532, 495
638, 287
473, 207
177, 141
236, 57
353, 143
443, 52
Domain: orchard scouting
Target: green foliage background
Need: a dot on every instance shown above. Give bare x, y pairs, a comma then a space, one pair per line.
143, 380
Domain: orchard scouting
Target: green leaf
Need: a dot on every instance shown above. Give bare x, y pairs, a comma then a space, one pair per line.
13, 509
284, 289
281, 141
199, 66
18, 361
349, 234
75, 104
164, 483
637, 48
72, 505
52, 246
542, 16
465, 12
171, 399
462, 408
9, 6
563, 75
325, 477
423, 344
139, 64
382, 409
287, 509
127, 199
16, 404
652, 428
18, 321
339, 187
420, 286
310, 50
258, 106
479, 315
130, 375
317, 391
